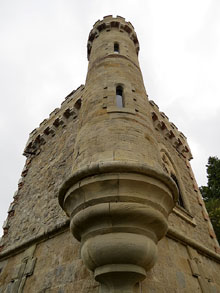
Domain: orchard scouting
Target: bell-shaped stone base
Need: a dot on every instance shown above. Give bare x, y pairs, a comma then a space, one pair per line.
119, 260
119, 218
119, 248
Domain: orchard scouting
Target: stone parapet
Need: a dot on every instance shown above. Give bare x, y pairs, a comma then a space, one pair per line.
108, 23
58, 118
170, 131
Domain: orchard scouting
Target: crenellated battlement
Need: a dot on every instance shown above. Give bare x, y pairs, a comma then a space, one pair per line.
170, 131
57, 118
48, 128
69, 108
108, 23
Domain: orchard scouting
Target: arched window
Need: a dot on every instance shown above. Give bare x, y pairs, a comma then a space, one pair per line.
180, 199
169, 168
116, 48
119, 97
78, 104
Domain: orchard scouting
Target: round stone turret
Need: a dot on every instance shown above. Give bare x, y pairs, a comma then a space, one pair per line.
118, 196
109, 23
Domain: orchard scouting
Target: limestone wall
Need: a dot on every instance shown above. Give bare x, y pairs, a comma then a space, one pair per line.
35, 211
37, 251
52, 263
51, 266
192, 219
49, 151
181, 269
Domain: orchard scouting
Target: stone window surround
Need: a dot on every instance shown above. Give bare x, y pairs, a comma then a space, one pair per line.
184, 213
111, 106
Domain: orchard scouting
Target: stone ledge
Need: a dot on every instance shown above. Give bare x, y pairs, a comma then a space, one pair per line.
175, 235
62, 227
114, 109
184, 215
113, 55
50, 233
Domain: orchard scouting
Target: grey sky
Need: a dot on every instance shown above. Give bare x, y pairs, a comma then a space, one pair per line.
43, 58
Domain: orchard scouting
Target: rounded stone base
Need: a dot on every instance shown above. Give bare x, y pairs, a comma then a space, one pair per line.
119, 278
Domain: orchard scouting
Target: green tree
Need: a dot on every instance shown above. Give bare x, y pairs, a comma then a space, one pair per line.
211, 193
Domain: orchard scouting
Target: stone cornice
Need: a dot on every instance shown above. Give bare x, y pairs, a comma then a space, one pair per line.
117, 166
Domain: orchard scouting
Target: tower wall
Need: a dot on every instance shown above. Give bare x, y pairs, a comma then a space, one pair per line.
38, 253
118, 196
49, 148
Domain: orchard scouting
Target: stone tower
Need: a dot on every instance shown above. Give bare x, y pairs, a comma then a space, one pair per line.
120, 171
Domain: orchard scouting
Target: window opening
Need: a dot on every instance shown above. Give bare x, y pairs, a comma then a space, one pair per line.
119, 97
180, 199
116, 48
78, 104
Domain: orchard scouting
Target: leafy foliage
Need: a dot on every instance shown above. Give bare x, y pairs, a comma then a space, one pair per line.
211, 193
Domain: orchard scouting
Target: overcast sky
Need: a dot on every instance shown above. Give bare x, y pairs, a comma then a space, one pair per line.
43, 58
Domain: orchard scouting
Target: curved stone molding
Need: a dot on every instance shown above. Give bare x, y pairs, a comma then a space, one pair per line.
120, 167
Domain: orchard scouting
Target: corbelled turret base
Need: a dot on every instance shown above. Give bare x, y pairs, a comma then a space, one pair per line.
119, 218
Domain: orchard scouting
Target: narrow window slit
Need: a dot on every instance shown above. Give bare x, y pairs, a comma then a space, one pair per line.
119, 97
116, 48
